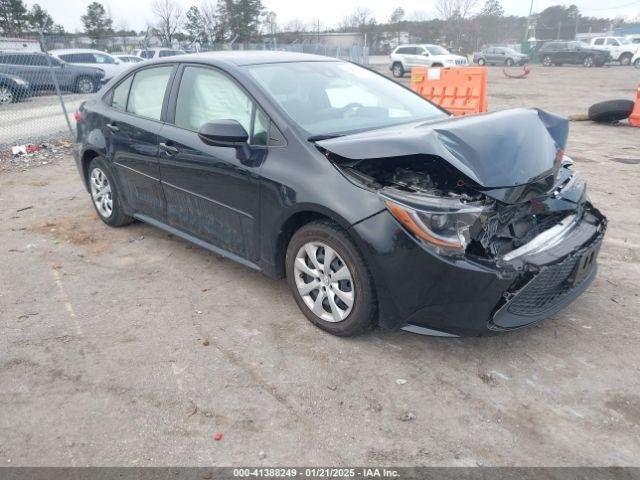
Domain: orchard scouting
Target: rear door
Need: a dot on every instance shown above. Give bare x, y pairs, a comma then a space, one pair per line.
131, 128
210, 193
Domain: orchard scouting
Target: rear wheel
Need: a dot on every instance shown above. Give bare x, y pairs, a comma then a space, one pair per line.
547, 61
104, 195
398, 70
588, 62
6, 95
329, 279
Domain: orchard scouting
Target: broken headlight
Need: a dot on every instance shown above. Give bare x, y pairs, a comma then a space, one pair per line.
443, 223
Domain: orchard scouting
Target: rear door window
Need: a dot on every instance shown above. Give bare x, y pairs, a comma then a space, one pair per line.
148, 90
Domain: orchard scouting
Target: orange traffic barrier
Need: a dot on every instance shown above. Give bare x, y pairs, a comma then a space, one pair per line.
462, 91
634, 119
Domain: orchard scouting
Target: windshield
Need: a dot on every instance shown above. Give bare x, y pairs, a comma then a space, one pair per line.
436, 50
327, 98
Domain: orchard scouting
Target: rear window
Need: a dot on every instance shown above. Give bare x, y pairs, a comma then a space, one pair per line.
406, 50
146, 54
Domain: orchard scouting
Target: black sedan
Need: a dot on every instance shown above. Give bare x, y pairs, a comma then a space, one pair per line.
13, 89
377, 206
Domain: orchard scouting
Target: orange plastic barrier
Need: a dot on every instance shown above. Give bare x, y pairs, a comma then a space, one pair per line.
462, 91
634, 119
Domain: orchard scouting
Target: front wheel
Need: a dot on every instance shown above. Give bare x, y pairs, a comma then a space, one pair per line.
398, 70
637, 63
625, 59
588, 62
86, 85
482, 62
329, 279
510, 62
547, 61
104, 195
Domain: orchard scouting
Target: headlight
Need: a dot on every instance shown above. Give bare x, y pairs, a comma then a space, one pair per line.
443, 223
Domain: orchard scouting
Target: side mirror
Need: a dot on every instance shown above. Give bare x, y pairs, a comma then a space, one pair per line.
223, 133
425, 54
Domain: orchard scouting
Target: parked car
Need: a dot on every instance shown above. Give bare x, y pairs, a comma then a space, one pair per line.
39, 71
127, 58
85, 57
13, 88
378, 206
633, 38
151, 53
404, 57
621, 49
500, 56
575, 53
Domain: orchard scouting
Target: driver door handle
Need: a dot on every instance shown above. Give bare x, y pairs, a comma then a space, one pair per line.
168, 149
113, 127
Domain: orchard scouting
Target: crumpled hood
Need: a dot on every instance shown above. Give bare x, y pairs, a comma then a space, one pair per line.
496, 150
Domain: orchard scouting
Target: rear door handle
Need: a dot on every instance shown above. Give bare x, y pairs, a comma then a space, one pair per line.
169, 149
113, 127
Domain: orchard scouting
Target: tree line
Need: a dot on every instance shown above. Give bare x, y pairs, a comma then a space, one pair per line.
461, 24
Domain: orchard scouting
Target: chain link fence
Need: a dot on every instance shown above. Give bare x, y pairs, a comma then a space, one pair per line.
43, 80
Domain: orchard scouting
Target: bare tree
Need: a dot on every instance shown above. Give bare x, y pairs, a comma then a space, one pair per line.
295, 26
169, 16
455, 8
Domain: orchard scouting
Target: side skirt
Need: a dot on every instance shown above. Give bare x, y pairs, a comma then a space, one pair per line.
195, 240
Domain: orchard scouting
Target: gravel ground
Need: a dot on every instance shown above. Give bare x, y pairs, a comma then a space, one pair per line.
131, 347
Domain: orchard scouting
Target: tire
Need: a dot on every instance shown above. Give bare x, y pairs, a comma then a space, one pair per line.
108, 205
547, 61
303, 274
637, 63
6, 95
625, 59
611, 111
588, 61
482, 62
437, 65
85, 85
398, 70
510, 62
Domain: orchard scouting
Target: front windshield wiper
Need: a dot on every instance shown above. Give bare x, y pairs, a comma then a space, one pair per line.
326, 136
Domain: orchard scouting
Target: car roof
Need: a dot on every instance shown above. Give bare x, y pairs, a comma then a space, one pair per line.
249, 57
62, 51
20, 52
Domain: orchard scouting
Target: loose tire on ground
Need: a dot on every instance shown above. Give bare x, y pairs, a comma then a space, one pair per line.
611, 111
117, 217
363, 313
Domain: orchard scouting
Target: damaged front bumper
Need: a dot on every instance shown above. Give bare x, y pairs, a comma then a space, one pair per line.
424, 292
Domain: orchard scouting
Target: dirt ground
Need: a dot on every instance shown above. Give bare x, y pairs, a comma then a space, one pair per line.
130, 347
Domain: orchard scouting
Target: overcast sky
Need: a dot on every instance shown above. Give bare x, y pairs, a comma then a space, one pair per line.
137, 13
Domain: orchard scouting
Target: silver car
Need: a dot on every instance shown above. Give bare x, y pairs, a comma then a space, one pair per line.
500, 56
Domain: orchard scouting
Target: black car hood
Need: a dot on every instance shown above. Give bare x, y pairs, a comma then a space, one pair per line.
498, 150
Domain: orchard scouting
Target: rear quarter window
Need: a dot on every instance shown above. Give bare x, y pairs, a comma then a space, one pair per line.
121, 94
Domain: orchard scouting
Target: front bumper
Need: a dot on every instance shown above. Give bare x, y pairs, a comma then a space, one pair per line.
419, 290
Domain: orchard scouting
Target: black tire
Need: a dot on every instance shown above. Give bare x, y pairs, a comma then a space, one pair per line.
481, 62
397, 69
510, 62
637, 63
85, 84
611, 111
7, 95
118, 217
625, 59
547, 61
437, 65
363, 314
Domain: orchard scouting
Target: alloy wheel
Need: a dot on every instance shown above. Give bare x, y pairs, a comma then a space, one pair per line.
481, 62
588, 62
324, 282
101, 193
546, 61
625, 60
85, 85
398, 70
6, 95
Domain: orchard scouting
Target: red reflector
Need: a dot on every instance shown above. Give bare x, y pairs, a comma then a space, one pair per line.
78, 116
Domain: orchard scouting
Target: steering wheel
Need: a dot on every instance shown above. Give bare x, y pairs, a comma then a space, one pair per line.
353, 106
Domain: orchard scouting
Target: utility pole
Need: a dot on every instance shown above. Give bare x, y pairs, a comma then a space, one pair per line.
529, 22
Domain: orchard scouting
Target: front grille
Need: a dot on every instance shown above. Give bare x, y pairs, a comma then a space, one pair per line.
546, 289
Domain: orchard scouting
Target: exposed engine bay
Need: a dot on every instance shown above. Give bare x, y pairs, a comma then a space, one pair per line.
420, 181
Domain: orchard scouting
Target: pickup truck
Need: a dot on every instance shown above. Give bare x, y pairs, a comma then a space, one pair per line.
621, 49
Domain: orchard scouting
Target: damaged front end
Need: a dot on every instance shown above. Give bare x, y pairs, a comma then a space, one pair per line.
538, 232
